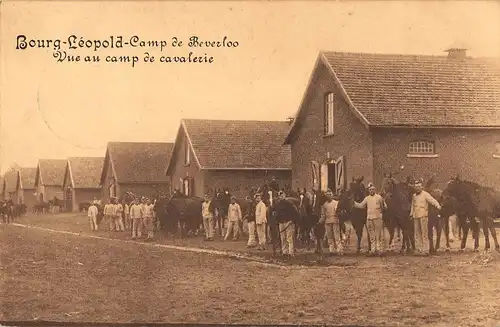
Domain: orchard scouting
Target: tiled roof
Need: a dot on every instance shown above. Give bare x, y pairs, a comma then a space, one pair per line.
86, 171
420, 90
52, 171
137, 162
28, 177
238, 144
10, 179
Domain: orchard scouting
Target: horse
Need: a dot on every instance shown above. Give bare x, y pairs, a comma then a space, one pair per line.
7, 211
218, 207
179, 210
476, 205
347, 212
398, 197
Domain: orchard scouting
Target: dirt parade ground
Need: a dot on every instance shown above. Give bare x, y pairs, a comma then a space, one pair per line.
53, 268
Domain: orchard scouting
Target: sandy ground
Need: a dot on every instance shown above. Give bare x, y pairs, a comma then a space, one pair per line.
53, 276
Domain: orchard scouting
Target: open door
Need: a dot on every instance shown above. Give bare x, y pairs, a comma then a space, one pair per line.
340, 176
315, 175
324, 177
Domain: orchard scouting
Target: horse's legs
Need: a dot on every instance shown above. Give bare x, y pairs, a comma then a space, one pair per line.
484, 224
465, 231
475, 232
391, 228
446, 227
493, 232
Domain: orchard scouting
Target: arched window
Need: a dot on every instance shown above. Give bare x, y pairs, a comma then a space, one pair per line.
329, 110
422, 149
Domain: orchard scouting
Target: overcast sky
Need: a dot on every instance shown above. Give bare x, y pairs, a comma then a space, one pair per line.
82, 106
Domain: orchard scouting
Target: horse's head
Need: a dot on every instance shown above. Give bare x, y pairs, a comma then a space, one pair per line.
357, 190
345, 202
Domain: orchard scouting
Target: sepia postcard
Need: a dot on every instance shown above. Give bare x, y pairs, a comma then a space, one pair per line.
314, 163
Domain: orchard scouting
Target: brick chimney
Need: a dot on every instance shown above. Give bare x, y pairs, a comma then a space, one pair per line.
457, 51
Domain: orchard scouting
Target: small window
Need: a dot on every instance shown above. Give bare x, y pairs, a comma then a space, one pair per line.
496, 154
422, 149
329, 110
187, 155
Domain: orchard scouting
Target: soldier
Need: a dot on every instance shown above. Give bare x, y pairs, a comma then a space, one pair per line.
234, 217
286, 215
92, 214
420, 212
118, 216
148, 219
108, 215
207, 219
136, 216
332, 223
261, 221
375, 205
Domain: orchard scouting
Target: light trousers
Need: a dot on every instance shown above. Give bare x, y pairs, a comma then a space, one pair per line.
453, 227
93, 223
234, 228
261, 234
137, 227
376, 234
149, 225
251, 234
421, 238
208, 227
111, 223
333, 236
287, 235
119, 223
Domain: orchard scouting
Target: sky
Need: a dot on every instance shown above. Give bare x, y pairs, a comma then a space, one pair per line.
51, 109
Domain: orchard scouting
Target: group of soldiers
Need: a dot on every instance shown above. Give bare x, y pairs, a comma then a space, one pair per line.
335, 236
139, 217
120, 216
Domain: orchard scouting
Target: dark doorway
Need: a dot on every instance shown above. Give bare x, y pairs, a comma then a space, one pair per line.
69, 200
331, 177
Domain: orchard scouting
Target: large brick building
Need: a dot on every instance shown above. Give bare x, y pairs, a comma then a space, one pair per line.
135, 167
234, 154
49, 179
367, 114
81, 181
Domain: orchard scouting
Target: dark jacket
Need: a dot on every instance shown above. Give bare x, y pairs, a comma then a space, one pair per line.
286, 211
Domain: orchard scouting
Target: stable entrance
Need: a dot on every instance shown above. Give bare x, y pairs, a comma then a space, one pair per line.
332, 175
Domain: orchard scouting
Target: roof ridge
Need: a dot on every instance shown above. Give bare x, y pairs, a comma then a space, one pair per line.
402, 55
238, 120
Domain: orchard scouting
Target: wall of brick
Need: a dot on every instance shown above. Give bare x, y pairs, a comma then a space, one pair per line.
465, 152
107, 182
351, 138
29, 198
241, 181
181, 170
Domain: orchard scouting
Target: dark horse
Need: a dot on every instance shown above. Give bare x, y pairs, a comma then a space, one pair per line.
476, 205
7, 211
398, 197
219, 206
309, 215
347, 212
179, 211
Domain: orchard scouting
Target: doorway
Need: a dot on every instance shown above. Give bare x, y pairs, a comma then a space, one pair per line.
332, 175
